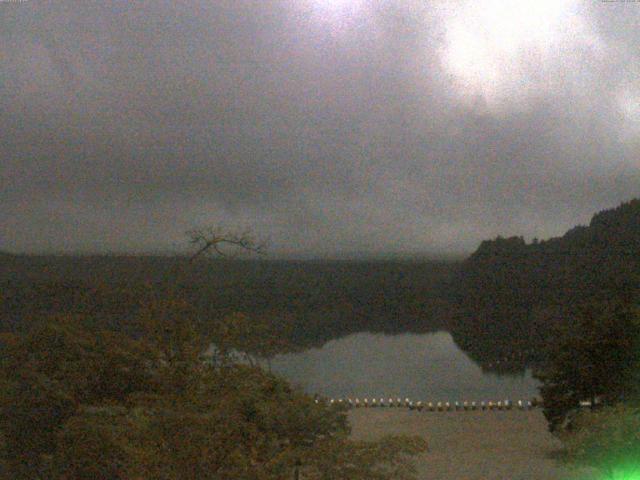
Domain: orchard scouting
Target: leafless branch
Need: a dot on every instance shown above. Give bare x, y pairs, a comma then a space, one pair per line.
216, 240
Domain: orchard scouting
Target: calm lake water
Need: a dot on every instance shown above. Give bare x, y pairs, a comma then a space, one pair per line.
428, 367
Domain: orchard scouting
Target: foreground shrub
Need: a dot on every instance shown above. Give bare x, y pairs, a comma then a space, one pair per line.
607, 439
79, 403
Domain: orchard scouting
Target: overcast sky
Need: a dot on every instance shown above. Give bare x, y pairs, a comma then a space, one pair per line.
329, 126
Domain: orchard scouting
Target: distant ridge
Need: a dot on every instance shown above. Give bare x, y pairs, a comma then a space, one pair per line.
278, 257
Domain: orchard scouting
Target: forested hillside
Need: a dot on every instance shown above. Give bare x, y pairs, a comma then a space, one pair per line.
510, 294
318, 300
501, 304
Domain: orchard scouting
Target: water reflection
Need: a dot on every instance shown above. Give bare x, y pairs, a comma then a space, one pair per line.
419, 366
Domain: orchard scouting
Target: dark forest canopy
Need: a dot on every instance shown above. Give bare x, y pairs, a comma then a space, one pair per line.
323, 299
510, 295
501, 304
79, 402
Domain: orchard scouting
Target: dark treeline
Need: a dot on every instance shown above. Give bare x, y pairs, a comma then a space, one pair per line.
511, 296
321, 299
501, 304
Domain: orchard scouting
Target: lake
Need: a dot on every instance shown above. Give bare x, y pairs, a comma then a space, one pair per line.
428, 367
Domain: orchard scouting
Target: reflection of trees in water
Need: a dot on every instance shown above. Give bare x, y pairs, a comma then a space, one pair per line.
511, 296
315, 302
501, 305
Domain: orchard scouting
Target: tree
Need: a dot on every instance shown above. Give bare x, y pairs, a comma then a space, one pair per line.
215, 240
78, 401
100, 443
595, 360
50, 373
82, 403
254, 338
609, 440
389, 458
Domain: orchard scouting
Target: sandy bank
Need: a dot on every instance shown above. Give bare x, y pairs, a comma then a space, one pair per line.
507, 445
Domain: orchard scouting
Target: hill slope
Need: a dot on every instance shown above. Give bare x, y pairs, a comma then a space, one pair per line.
509, 293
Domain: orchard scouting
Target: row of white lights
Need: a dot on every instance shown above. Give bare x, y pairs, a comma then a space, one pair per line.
439, 406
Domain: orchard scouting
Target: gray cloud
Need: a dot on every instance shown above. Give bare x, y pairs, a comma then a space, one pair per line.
331, 126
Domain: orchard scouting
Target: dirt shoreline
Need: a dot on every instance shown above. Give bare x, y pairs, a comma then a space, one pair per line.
498, 445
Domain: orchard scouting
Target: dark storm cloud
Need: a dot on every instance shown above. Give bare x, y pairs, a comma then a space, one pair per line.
333, 126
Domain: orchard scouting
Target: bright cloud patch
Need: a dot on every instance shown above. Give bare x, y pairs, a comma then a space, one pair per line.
505, 51
337, 12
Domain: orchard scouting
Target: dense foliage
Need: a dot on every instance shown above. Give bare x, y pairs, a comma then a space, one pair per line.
511, 295
608, 440
80, 402
320, 300
114, 383
502, 305
595, 359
